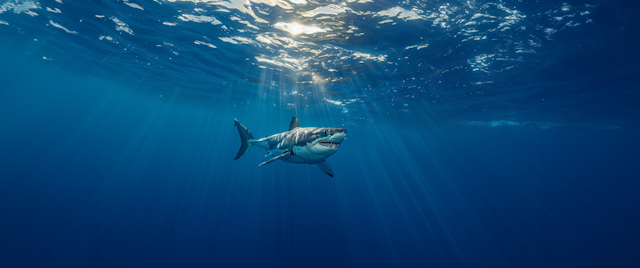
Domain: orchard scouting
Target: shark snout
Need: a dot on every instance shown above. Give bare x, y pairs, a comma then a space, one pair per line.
336, 135
333, 131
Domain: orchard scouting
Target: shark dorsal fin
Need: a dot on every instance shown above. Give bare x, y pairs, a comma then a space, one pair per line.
294, 123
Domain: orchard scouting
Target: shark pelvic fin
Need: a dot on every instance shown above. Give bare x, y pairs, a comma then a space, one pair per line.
324, 166
294, 123
283, 155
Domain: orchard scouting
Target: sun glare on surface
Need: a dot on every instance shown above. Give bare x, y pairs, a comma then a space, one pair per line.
296, 28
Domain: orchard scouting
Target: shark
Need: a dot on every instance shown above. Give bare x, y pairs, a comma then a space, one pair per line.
299, 145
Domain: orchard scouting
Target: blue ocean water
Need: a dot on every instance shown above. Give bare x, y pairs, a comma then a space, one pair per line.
481, 133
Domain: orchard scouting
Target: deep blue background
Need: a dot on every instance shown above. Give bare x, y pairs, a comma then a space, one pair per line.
118, 153
98, 175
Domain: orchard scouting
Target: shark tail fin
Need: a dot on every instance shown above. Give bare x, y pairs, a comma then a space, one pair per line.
245, 136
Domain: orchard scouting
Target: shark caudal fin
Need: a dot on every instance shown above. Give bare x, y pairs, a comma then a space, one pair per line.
245, 136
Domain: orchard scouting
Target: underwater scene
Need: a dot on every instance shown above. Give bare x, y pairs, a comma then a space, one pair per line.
319, 133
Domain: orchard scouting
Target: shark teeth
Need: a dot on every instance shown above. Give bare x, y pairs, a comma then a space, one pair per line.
330, 144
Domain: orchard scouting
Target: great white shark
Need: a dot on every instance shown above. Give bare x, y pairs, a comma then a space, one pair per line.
299, 145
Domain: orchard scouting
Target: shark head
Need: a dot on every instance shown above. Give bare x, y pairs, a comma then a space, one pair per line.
327, 140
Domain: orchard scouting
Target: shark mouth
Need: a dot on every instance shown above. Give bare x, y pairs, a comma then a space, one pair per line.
330, 144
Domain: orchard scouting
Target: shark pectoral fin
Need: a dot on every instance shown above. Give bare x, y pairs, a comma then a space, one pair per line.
285, 154
324, 166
